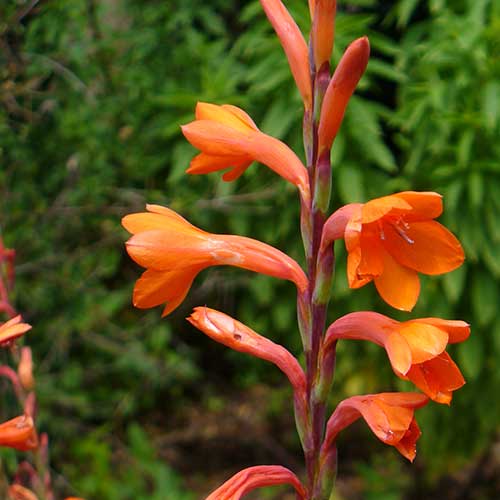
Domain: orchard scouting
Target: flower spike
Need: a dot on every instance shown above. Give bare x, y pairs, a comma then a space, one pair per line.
228, 138
257, 477
174, 252
416, 348
340, 89
389, 415
293, 44
226, 330
390, 240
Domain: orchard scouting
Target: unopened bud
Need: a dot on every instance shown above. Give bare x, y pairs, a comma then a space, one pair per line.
25, 369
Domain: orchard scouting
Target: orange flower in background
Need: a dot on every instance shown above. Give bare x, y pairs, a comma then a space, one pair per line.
293, 44
349, 71
174, 252
390, 415
390, 240
12, 329
416, 348
228, 138
18, 492
230, 332
257, 477
19, 433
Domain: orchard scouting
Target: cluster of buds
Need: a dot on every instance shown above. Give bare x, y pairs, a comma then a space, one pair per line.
389, 241
32, 480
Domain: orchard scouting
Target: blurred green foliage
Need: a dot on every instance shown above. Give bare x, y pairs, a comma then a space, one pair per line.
92, 96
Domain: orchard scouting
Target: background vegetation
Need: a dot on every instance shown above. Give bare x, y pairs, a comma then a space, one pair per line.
92, 94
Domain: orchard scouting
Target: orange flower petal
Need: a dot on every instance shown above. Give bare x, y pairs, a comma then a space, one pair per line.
226, 114
425, 341
437, 377
13, 329
407, 446
323, 31
157, 217
376, 209
399, 353
427, 247
398, 285
425, 205
157, 287
19, 433
205, 164
457, 331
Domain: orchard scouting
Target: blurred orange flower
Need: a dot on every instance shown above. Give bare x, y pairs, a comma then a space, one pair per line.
389, 415
19, 433
12, 329
416, 348
18, 492
174, 252
390, 240
228, 138
257, 477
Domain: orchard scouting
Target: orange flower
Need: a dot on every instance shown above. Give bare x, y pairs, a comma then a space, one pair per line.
12, 329
293, 44
25, 369
18, 492
226, 330
19, 433
174, 252
390, 240
257, 477
340, 89
416, 348
323, 30
228, 138
389, 415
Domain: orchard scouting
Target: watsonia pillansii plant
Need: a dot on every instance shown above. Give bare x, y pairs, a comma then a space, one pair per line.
389, 240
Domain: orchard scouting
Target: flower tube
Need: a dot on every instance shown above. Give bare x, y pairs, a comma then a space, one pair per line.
340, 89
416, 348
293, 44
390, 240
173, 251
257, 477
323, 30
230, 332
228, 138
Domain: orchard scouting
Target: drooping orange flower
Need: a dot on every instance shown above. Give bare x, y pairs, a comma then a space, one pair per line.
293, 44
390, 240
19, 433
257, 477
323, 30
228, 138
416, 348
12, 329
230, 332
174, 252
389, 415
349, 71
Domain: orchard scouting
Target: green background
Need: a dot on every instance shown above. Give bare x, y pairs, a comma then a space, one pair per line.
92, 93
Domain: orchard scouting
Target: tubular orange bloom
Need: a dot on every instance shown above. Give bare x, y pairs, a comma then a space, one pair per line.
390, 240
19, 433
174, 252
293, 44
323, 30
389, 415
228, 138
12, 329
340, 89
18, 492
226, 330
257, 477
25, 369
416, 348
